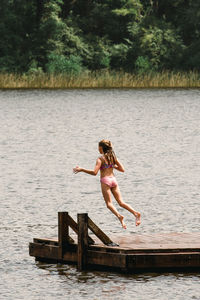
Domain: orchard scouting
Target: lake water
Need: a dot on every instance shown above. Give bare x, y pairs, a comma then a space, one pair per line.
44, 134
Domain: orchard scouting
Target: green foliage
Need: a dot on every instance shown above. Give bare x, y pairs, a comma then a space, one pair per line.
51, 28
34, 70
162, 45
60, 36
143, 64
129, 8
73, 42
99, 57
61, 64
191, 58
16, 35
119, 55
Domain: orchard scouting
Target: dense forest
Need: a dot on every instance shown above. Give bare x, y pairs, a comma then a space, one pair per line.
71, 36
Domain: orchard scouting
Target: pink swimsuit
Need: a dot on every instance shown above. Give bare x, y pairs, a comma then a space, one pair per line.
106, 166
109, 180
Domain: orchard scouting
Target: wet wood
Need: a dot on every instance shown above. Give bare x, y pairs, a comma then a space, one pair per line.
74, 227
44, 251
82, 241
114, 260
136, 252
44, 241
72, 224
166, 260
63, 232
173, 241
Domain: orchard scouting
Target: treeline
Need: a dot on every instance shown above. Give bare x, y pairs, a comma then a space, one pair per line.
71, 36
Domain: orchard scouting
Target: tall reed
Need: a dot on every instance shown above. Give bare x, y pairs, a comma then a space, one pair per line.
101, 79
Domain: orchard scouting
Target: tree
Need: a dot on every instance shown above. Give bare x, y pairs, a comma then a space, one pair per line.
16, 32
73, 35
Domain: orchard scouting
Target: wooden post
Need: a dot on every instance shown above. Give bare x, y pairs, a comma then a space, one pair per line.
63, 232
74, 227
82, 241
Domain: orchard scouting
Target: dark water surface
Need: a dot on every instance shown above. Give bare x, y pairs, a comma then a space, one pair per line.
44, 134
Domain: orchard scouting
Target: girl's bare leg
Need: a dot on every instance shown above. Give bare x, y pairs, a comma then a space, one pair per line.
118, 197
107, 197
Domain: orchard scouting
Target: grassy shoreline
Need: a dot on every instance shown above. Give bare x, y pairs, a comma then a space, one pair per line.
103, 79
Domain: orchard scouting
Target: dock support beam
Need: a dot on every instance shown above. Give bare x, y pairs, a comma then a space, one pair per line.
82, 241
63, 232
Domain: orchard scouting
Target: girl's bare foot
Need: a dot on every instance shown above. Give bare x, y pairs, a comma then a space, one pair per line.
138, 219
121, 218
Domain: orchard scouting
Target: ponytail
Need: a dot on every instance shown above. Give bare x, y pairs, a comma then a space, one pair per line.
108, 151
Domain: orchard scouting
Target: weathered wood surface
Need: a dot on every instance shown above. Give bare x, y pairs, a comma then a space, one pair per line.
63, 228
135, 253
82, 241
147, 242
63, 233
159, 241
114, 260
74, 227
168, 260
44, 251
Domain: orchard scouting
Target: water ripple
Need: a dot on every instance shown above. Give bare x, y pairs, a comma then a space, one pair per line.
44, 134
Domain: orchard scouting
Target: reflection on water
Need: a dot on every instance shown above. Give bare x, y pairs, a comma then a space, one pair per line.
44, 134
111, 285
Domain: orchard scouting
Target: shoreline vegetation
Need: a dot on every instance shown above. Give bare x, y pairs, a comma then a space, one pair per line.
101, 79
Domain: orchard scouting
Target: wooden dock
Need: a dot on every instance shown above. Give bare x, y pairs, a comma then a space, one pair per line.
134, 253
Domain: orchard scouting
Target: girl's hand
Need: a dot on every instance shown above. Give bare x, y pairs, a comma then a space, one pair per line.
77, 170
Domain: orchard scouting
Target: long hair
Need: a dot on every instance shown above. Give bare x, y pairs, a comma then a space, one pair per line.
108, 151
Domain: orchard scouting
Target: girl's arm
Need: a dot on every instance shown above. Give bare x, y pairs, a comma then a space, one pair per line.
90, 172
118, 166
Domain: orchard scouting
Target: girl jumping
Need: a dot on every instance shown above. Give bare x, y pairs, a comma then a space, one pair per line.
106, 163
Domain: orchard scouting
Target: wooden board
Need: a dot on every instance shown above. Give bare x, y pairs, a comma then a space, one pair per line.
145, 242
98, 232
157, 241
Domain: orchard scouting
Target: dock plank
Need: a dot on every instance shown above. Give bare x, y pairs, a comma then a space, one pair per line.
43, 251
159, 241
146, 242
163, 260
107, 259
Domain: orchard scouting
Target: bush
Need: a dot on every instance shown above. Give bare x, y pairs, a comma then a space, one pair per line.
119, 55
61, 64
99, 57
142, 64
162, 45
34, 69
